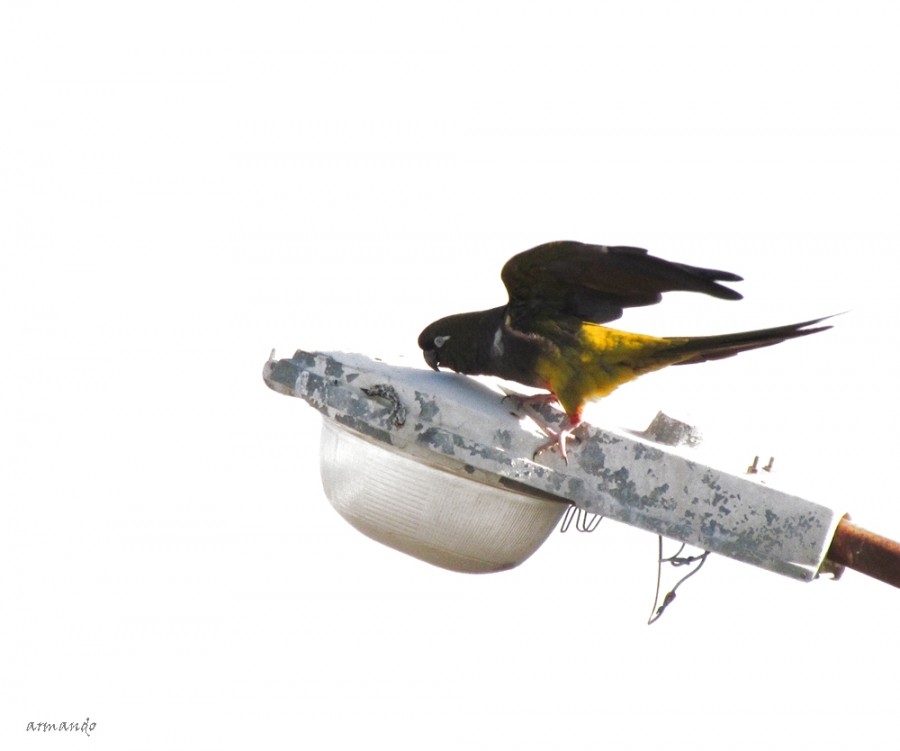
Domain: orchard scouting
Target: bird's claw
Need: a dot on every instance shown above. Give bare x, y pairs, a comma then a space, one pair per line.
556, 440
522, 401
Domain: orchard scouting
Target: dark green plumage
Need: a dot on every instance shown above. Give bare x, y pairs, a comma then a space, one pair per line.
549, 336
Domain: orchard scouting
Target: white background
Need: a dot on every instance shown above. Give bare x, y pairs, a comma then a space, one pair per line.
185, 185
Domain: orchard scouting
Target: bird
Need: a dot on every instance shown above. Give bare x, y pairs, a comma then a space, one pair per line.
550, 334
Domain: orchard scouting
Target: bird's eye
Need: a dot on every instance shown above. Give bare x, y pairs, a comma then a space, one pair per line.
440, 341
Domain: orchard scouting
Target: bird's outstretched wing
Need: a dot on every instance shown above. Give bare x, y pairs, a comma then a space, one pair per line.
596, 282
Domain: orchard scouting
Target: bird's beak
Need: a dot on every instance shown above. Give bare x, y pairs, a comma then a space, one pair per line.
431, 357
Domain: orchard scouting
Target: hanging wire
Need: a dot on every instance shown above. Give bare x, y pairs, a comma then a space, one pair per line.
585, 521
675, 561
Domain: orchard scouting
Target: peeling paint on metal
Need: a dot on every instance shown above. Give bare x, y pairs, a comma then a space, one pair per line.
334, 369
428, 406
464, 427
503, 439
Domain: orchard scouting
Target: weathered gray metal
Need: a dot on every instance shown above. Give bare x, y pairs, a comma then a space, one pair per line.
457, 424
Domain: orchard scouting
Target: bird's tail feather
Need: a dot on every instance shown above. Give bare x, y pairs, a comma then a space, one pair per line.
704, 348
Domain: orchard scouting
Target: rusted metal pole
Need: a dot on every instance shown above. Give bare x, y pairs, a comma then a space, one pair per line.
866, 552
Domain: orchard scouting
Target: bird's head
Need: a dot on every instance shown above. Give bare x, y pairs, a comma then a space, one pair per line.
460, 342
439, 342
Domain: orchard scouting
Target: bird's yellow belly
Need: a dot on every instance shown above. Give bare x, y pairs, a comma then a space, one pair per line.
603, 359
